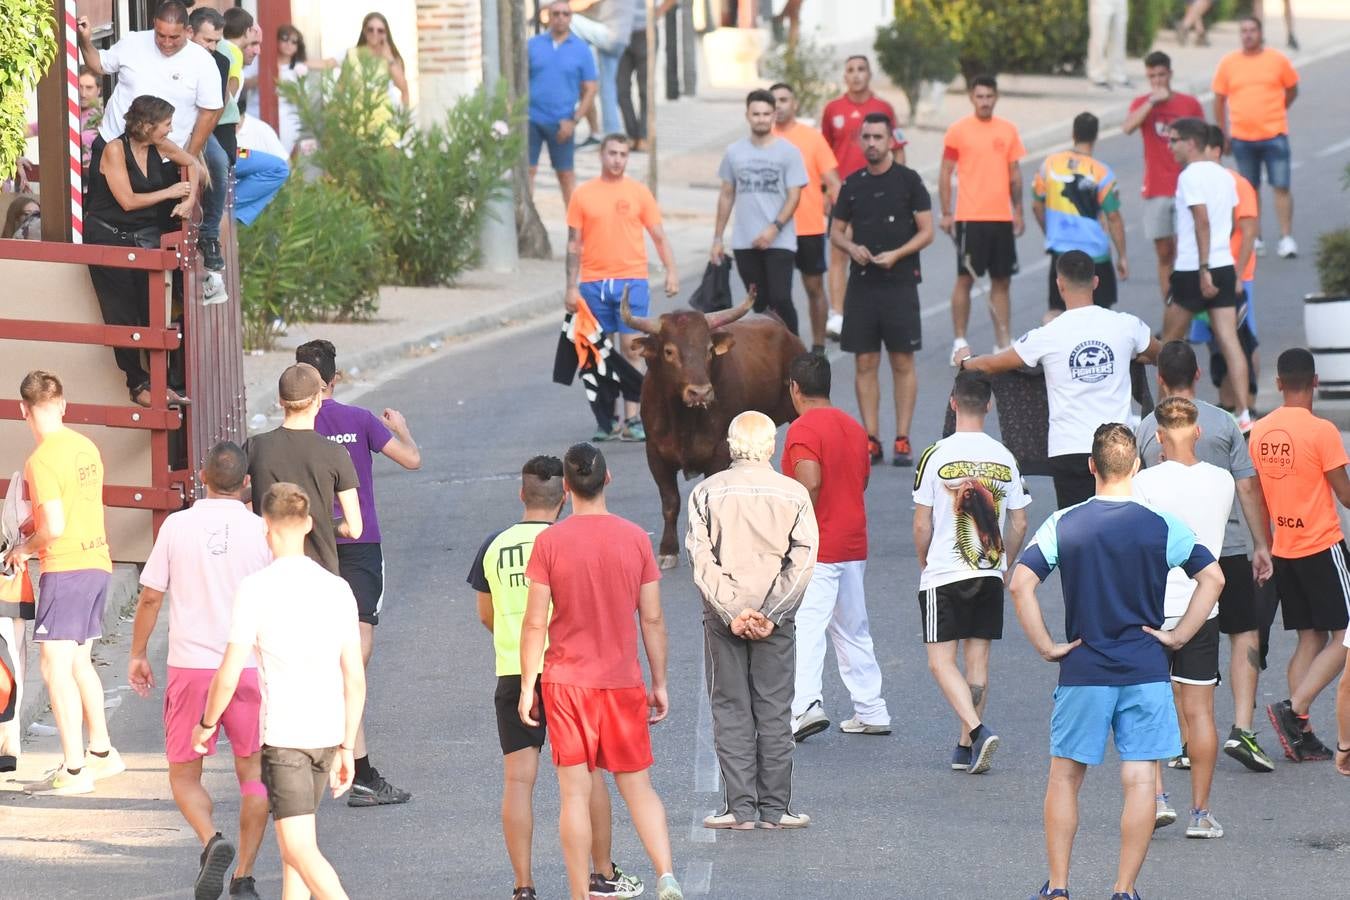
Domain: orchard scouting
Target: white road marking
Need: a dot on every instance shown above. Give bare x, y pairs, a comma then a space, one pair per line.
1334, 148
697, 878
697, 833
707, 775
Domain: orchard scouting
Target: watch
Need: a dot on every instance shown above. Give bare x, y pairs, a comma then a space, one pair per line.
779, 225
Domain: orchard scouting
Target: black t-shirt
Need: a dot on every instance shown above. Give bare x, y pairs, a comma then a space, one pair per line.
321, 468
881, 210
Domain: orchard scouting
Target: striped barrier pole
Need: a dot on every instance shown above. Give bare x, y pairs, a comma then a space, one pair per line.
73, 127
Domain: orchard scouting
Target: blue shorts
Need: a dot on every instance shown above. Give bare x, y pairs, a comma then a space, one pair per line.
1273, 152
603, 298
1246, 309
1142, 717
559, 152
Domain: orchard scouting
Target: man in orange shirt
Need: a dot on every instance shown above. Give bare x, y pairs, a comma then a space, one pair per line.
822, 179
606, 253
1301, 462
983, 151
1253, 89
65, 482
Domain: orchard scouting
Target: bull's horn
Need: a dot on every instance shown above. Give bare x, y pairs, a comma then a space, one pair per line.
646, 326
727, 316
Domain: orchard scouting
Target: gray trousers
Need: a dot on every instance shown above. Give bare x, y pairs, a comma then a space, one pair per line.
750, 687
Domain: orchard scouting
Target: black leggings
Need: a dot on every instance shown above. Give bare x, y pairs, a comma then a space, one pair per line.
771, 270
634, 62
124, 299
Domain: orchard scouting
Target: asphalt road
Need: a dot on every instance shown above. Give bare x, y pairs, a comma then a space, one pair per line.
889, 817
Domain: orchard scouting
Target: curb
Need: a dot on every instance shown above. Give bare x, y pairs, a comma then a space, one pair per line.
122, 595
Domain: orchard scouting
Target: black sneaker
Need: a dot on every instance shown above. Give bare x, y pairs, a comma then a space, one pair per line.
244, 888
376, 792
8, 763
216, 859
524, 893
1288, 729
211, 256
1310, 749
621, 885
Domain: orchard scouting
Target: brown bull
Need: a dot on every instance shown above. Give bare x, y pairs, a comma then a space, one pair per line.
702, 371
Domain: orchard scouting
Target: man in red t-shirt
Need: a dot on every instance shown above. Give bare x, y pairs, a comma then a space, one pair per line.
596, 570
841, 122
1153, 114
826, 450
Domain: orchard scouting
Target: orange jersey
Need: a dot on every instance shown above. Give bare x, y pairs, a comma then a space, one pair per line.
983, 152
1293, 450
66, 467
1254, 85
1248, 207
611, 217
819, 159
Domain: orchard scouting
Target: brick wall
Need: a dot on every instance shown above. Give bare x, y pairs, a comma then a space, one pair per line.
449, 52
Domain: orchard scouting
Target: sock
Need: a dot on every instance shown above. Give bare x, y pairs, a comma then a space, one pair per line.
818, 349
75, 771
364, 770
975, 732
103, 755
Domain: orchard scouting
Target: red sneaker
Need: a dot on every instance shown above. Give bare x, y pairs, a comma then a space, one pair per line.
904, 454
874, 450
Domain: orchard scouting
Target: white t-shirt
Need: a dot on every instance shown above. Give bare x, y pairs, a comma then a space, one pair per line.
298, 616
1086, 353
1201, 497
1210, 184
970, 481
189, 80
199, 558
257, 136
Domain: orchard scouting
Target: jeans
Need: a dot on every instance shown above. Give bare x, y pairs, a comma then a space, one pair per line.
609, 49
258, 177
213, 198
1273, 153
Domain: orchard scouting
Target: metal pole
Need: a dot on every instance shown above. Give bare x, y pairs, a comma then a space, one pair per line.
498, 240
672, 34
649, 100
689, 46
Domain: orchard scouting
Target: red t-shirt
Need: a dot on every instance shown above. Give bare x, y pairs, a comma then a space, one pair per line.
841, 123
833, 439
595, 566
1160, 166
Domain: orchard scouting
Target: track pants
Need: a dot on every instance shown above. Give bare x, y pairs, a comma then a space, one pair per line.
835, 603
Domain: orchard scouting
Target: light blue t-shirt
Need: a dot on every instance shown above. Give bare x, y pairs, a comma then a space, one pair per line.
762, 176
556, 76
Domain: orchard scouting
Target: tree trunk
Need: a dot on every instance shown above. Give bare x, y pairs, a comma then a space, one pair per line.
531, 235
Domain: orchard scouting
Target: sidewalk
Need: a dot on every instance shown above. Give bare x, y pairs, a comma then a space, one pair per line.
691, 136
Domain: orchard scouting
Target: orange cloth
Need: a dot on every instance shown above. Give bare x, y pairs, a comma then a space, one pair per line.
1254, 85
819, 158
1293, 450
1248, 207
585, 326
983, 151
67, 467
611, 216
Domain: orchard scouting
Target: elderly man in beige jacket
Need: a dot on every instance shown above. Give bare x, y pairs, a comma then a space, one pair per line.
752, 544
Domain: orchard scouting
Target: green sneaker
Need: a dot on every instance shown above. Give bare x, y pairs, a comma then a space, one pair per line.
668, 889
621, 885
633, 431
1242, 746
605, 434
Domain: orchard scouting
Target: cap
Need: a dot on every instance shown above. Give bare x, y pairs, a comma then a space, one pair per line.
299, 382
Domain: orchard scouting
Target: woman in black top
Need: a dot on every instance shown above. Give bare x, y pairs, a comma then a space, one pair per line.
134, 192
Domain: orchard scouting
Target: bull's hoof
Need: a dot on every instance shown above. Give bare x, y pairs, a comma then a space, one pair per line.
668, 562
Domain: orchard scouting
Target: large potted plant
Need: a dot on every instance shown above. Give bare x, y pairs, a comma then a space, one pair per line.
1326, 316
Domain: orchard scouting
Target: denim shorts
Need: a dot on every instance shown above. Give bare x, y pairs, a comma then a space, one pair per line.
1272, 152
559, 152
1142, 717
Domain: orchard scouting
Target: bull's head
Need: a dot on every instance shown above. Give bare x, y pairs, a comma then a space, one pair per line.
684, 344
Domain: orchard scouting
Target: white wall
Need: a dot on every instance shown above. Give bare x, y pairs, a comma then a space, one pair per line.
845, 21
331, 28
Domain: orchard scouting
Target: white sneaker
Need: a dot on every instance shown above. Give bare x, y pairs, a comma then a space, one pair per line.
1163, 814
812, 721
1259, 247
106, 766
727, 821
1244, 421
1203, 825
834, 325
957, 345
1287, 248
789, 820
60, 783
857, 726
213, 289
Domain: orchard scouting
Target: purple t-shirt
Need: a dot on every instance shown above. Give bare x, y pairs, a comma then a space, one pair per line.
363, 434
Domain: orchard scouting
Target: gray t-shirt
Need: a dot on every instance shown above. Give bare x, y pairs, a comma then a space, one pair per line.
1221, 444
762, 176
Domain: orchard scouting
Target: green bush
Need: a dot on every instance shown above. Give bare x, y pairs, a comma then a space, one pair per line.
313, 254
1333, 262
916, 48
27, 48
808, 67
1147, 18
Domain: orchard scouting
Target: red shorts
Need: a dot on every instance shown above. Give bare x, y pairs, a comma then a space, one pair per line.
185, 701
601, 728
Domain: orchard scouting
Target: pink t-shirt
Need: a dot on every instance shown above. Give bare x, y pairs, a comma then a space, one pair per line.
199, 558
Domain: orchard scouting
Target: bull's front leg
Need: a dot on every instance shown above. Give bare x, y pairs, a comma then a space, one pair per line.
665, 475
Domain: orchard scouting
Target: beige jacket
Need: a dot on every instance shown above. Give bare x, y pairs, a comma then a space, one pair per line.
752, 541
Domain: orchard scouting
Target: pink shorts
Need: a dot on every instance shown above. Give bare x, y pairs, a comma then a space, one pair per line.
185, 701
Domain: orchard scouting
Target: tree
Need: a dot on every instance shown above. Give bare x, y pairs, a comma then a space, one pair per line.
531, 234
27, 48
916, 48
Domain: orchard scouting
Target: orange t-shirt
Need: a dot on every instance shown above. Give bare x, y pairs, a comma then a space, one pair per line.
1248, 207
1254, 85
819, 159
982, 151
1293, 450
611, 216
67, 467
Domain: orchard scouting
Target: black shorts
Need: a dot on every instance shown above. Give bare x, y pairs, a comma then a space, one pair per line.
511, 732
1105, 294
295, 779
1186, 290
1238, 608
1074, 481
972, 608
986, 247
887, 313
812, 255
1315, 590
1198, 661
362, 567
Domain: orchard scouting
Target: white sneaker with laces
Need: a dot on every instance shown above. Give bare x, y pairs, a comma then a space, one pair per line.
958, 345
812, 721
100, 767
857, 726
213, 289
1203, 825
834, 325
59, 782
1287, 248
1259, 247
